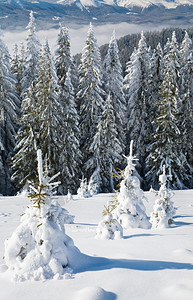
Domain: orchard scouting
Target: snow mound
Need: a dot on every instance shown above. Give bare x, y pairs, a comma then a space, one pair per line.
93, 293
182, 251
3, 268
179, 291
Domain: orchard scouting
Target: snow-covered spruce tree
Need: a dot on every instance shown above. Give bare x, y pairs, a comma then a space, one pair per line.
49, 112
136, 85
39, 248
113, 84
105, 150
90, 95
109, 228
41, 123
24, 160
9, 109
156, 77
186, 89
83, 191
64, 61
31, 56
69, 196
70, 158
130, 210
163, 210
166, 145
18, 67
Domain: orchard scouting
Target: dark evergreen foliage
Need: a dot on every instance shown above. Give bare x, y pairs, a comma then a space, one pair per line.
127, 43
157, 99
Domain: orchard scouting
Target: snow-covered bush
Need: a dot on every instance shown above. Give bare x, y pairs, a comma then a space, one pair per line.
163, 210
94, 184
39, 248
109, 228
69, 196
130, 211
83, 191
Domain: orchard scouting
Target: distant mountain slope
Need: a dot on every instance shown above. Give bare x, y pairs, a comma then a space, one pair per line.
146, 3
14, 14
169, 4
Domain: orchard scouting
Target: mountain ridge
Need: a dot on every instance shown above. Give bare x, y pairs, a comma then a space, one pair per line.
49, 13
169, 4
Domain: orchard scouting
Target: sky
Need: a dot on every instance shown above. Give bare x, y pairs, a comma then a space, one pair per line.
78, 34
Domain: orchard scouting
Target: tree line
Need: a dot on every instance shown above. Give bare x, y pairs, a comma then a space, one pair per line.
83, 118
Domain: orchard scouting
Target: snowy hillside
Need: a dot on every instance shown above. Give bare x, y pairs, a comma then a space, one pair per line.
145, 3
129, 3
145, 264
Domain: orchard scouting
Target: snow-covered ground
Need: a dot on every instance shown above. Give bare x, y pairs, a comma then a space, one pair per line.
146, 264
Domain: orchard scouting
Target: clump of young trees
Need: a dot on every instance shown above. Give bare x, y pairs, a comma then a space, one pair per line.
83, 118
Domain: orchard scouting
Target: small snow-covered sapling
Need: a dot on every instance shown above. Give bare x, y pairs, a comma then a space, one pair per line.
69, 196
39, 248
109, 228
130, 211
83, 191
163, 210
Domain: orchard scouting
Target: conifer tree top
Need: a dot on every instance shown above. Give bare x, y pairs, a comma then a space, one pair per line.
130, 165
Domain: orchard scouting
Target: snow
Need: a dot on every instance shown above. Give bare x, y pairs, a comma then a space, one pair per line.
169, 4
144, 264
145, 3
93, 293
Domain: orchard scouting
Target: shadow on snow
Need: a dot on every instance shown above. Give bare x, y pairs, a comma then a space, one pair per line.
180, 223
140, 235
82, 263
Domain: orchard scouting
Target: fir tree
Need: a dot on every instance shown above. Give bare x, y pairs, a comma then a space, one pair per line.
70, 159
165, 148
90, 94
49, 110
24, 160
64, 61
186, 89
9, 109
109, 228
31, 55
163, 210
17, 67
136, 87
130, 210
105, 150
39, 248
83, 191
156, 77
40, 124
113, 84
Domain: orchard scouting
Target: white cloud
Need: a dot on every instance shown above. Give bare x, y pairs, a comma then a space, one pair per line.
78, 34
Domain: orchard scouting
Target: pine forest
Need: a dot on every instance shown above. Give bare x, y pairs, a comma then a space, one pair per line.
83, 117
